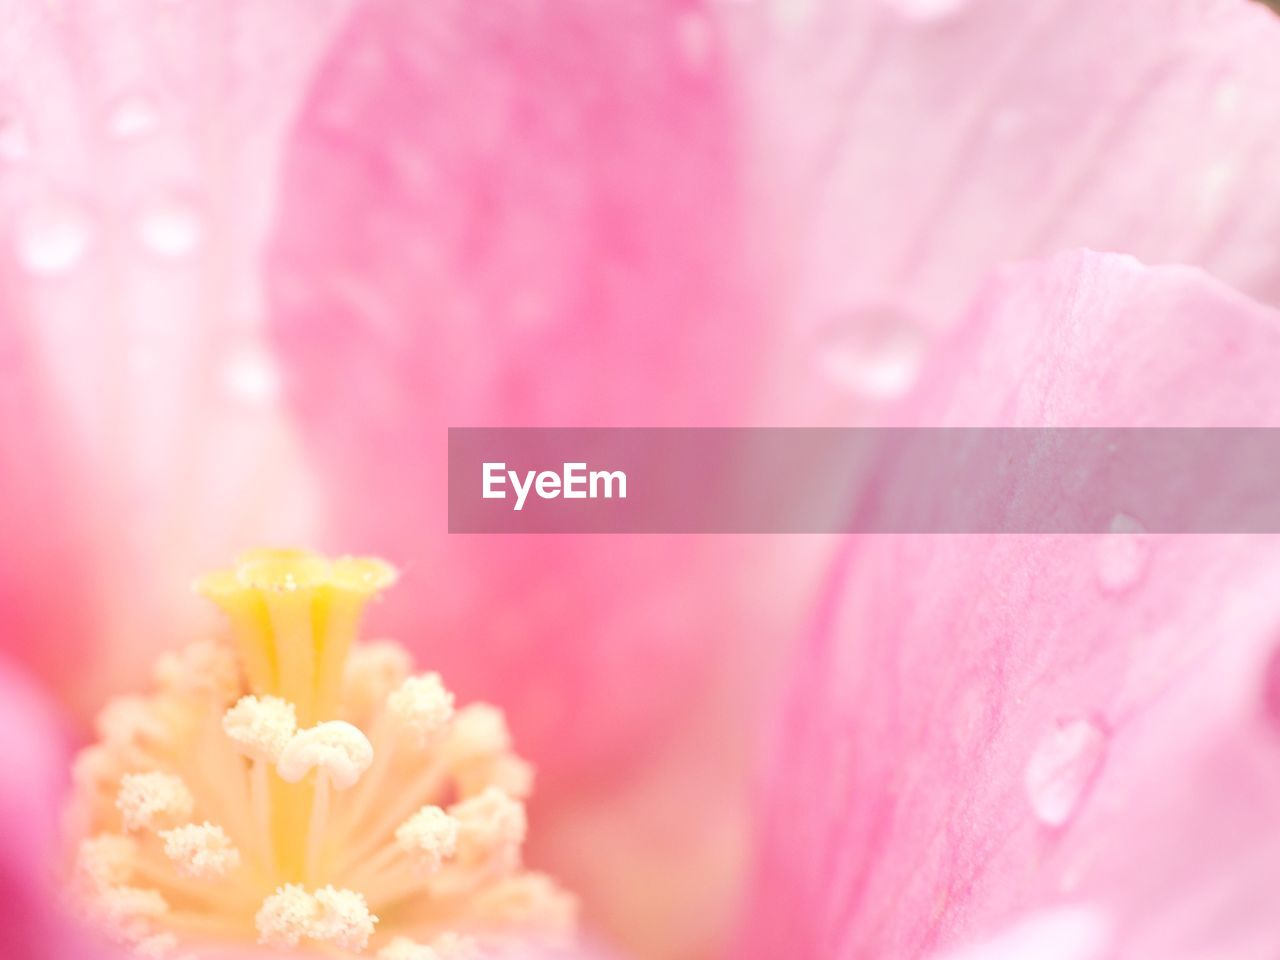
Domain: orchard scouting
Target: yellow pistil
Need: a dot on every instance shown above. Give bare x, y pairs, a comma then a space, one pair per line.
294, 617
298, 789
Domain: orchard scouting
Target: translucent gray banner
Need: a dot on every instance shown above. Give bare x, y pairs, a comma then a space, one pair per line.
833, 480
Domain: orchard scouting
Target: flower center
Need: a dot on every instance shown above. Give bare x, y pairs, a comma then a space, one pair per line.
303, 790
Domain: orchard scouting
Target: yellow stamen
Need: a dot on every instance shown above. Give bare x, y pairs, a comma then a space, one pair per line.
299, 789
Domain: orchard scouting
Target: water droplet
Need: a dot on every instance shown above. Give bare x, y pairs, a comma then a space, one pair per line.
15, 143
1062, 768
53, 237
170, 228
132, 117
874, 352
926, 11
1122, 555
251, 376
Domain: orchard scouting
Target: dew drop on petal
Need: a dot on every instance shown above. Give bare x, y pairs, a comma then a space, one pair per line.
1122, 555
132, 116
15, 142
251, 377
926, 11
53, 237
874, 352
170, 228
1062, 768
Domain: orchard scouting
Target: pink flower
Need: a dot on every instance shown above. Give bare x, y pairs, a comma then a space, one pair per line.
265, 253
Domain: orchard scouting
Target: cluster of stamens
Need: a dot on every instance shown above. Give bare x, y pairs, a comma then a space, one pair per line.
300, 790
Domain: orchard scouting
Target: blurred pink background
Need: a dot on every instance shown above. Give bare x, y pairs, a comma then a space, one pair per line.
259, 256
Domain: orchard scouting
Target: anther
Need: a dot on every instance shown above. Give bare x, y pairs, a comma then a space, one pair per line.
128, 911
286, 916
335, 747
340, 918
261, 727
373, 671
107, 860
491, 826
479, 730
95, 768
529, 901
430, 836
505, 771
203, 851
129, 720
151, 800
202, 669
423, 705
479, 745
344, 920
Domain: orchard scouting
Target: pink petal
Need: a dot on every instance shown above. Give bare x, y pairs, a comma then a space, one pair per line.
510, 214
33, 756
142, 441
911, 145
520, 214
999, 740
44, 561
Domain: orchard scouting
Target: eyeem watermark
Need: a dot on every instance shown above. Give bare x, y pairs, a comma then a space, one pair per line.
573, 482
870, 481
